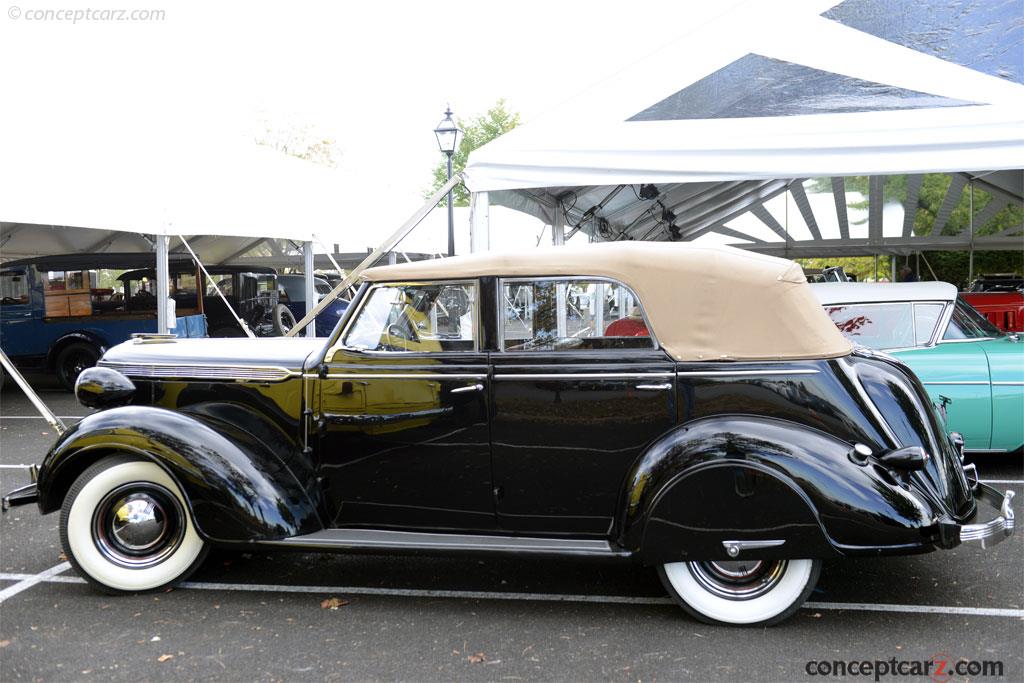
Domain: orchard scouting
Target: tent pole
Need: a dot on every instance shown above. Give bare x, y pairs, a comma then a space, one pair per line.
557, 226
970, 224
876, 267
43, 409
162, 289
892, 264
307, 265
371, 258
479, 222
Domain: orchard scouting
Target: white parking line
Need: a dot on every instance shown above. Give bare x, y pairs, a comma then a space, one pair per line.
27, 581
535, 597
1002, 481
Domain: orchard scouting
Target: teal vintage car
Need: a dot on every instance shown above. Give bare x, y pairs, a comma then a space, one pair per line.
972, 370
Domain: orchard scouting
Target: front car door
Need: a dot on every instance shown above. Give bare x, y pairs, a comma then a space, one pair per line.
402, 415
580, 389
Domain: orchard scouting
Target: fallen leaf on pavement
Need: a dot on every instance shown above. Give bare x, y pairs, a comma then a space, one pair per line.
164, 658
4, 643
333, 603
477, 658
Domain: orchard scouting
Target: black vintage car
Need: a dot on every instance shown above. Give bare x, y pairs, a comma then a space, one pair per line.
684, 407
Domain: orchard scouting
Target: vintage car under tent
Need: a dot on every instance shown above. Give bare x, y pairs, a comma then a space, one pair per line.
850, 128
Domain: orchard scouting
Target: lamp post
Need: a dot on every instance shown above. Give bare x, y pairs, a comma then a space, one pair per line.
447, 138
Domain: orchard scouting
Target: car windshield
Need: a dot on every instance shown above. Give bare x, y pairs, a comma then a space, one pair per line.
967, 323
294, 287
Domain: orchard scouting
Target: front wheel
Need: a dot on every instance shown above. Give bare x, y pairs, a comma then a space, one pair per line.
125, 527
741, 592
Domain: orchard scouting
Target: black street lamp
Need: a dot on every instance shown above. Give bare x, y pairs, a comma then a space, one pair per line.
447, 139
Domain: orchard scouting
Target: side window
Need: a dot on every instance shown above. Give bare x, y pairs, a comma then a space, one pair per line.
13, 287
416, 318
555, 315
876, 326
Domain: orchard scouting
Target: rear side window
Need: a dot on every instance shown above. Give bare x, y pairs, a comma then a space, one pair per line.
571, 314
876, 326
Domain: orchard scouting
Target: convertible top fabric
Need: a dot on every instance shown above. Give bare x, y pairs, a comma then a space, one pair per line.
703, 302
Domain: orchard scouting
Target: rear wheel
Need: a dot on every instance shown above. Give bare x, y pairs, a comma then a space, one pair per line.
72, 360
746, 592
125, 527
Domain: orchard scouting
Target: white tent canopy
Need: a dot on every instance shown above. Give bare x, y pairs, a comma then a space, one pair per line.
785, 103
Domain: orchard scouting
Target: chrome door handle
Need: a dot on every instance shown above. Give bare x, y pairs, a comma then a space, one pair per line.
654, 387
465, 389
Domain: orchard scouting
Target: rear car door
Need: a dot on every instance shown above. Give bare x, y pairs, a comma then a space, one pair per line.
402, 414
579, 390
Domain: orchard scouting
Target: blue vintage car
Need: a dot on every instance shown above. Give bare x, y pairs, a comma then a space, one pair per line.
55, 317
971, 369
292, 292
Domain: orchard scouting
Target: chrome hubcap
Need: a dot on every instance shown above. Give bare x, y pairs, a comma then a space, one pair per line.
738, 579
138, 525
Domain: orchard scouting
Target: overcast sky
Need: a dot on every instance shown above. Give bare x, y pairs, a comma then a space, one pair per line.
375, 76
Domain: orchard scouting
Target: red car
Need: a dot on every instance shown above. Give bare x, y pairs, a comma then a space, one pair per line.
1000, 298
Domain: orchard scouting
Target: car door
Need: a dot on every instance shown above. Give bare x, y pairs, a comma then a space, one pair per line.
19, 319
402, 415
579, 390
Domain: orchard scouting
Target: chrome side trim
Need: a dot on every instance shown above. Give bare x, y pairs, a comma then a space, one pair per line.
733, 548
357, 539
851, 374
585, 375
238, 373
399, 375
745, 373
963, 383
1008, 384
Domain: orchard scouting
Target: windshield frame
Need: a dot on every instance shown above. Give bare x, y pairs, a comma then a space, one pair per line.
977, 318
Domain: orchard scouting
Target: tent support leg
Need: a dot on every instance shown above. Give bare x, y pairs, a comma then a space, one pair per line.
307, 267
371, 258
43, 409
479, 222
162, 289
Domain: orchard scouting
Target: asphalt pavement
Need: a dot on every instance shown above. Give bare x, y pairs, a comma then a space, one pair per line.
297, 616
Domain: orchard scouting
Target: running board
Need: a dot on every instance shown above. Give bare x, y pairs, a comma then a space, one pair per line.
375, 539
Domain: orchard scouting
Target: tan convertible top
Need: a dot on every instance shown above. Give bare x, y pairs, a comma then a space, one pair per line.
702, 302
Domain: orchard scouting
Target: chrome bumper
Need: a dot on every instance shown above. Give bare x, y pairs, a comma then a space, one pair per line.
993, 531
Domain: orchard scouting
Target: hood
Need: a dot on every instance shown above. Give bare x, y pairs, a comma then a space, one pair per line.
287, 353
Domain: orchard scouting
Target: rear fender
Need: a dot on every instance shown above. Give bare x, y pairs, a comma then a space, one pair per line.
236, 488
746, 478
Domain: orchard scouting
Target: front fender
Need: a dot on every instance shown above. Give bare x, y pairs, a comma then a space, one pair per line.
746, 477
237, 489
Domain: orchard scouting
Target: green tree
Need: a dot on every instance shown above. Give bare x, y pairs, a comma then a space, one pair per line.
475, 133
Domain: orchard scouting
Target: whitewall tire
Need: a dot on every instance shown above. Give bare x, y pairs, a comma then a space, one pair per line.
745, 592
125, 527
